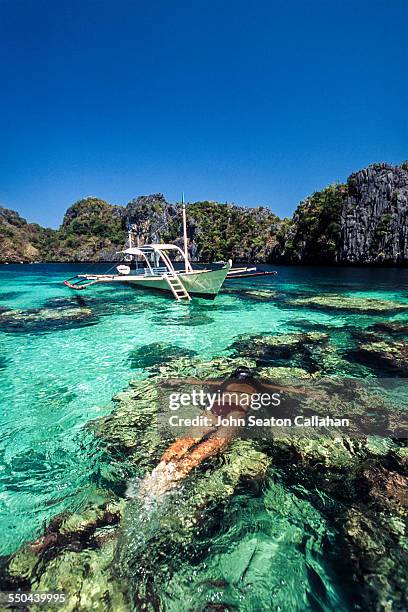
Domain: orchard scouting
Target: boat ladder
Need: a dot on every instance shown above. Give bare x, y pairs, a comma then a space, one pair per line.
177, 288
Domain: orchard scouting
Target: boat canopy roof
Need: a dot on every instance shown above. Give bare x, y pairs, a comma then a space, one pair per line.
149, 248
132, 251
159, 251
160, 247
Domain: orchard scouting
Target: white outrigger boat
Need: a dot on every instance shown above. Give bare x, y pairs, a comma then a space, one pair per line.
150, 267
157, 272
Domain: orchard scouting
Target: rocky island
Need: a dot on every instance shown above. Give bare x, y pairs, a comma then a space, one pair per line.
363, 221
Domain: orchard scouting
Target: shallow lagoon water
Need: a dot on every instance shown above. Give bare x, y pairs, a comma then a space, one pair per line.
60, 367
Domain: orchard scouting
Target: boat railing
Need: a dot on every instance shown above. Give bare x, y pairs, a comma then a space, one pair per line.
159, 271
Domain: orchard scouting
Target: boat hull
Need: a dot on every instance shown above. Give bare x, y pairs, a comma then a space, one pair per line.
203, 284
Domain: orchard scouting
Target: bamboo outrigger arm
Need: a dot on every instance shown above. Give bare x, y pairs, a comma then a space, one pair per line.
246, 272
77, 286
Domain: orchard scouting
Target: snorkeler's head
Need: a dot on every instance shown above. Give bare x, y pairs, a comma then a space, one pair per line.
242, 379
242, 373
242, 376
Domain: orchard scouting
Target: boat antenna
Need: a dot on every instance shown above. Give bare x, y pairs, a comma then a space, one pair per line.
186, 262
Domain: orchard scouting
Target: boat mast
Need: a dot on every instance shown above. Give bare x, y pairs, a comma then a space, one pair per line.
186, 262
131, 229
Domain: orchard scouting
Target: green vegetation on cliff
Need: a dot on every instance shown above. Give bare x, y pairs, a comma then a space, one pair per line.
313, 234
93, 217
21, 241
91, 229
224, 231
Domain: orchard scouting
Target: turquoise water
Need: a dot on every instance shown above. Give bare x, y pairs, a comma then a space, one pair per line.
63, 356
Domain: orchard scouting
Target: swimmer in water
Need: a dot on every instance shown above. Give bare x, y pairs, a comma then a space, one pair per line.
188, 452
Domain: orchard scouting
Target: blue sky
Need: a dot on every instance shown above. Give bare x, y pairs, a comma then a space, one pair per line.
256, 102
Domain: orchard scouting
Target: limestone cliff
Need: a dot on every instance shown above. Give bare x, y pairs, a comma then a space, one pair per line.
364, 221
374, 216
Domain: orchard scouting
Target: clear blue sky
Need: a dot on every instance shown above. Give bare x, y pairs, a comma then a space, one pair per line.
257, 102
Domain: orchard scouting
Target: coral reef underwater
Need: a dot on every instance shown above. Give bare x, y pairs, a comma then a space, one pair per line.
330, 510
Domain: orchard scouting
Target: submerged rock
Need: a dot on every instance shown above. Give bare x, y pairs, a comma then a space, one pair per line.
390, 328
376, 531
74, 555
351, 304
351, 485
390, 356
187, 318
372, 531
216, 368
151, 561
306, 351
283, 373
313, 352
262, 295
280, 344
44, 319
159, 352
73, 301
309, 325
